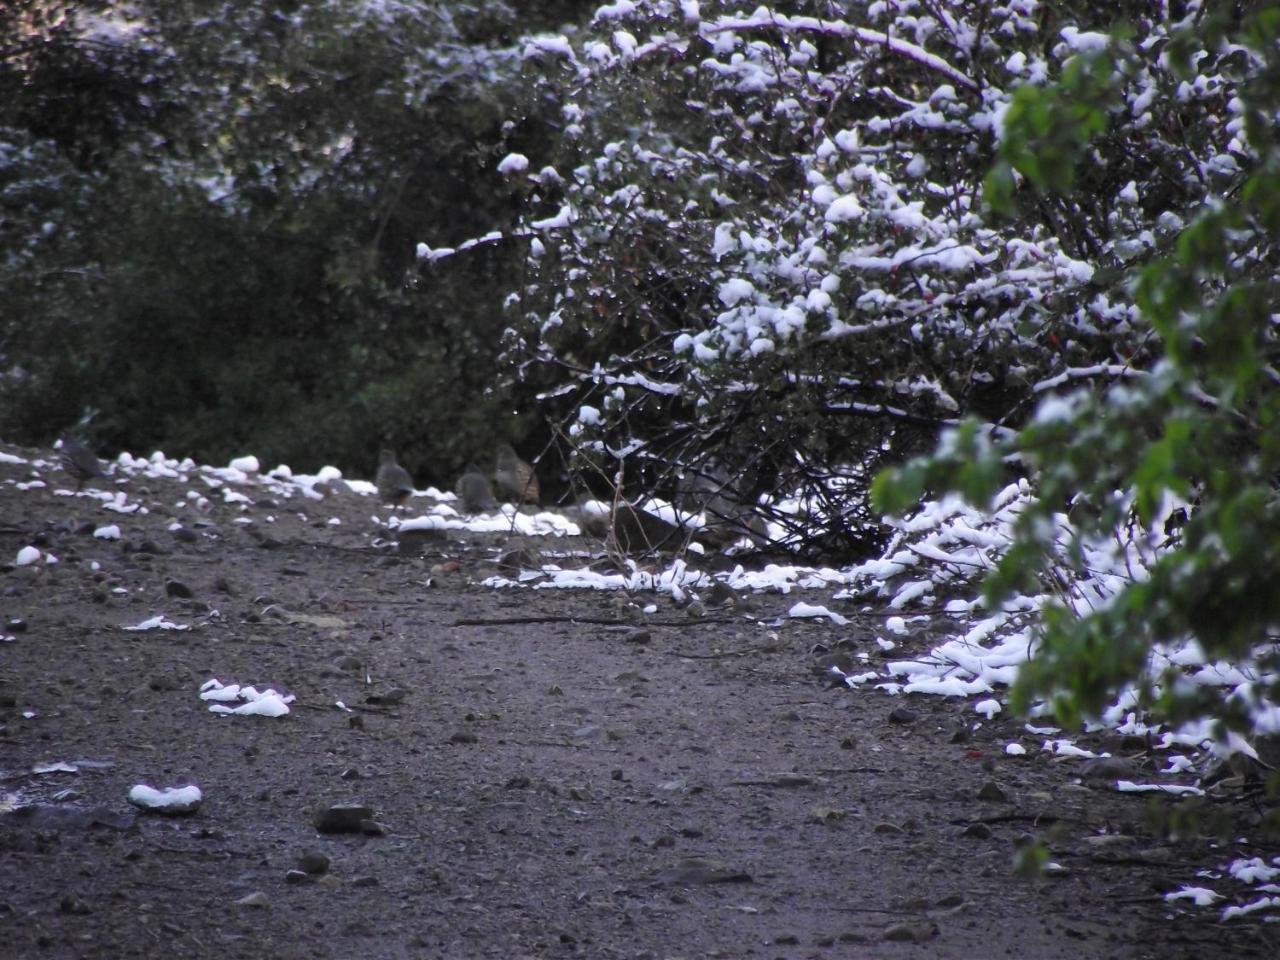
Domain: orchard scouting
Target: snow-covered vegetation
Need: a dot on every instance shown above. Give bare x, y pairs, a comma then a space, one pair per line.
791, 245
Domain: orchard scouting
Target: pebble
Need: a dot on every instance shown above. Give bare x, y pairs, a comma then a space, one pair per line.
257, 899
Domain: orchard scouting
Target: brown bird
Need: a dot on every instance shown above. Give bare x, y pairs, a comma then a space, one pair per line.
395, 486
79, 461
474, 490
514, 477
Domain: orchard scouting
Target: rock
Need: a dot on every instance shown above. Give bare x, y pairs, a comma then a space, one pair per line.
989, 791
977, 831
342, 818
297, 876
256, 900
365, 882
463, 736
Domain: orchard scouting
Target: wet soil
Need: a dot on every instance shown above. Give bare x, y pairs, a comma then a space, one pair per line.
549, 773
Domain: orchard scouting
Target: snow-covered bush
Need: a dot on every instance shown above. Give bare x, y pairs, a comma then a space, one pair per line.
800, 242
766, 242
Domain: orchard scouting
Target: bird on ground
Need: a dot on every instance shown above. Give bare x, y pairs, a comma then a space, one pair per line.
514, 477
474, 491
395, 486
79, 461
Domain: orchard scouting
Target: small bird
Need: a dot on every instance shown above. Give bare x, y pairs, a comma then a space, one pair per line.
514, 477
473, 487
79, 461
395, 486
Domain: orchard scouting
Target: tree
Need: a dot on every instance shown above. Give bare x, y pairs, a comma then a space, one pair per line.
210, 214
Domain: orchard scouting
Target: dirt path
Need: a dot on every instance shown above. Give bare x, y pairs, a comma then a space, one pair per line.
683, 788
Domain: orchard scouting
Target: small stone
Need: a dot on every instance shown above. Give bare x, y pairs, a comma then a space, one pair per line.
314, 862
463, 736
372, 828
977, 831
257, 900
176, 588
365, 882
989, 791
903, 715
351, 773
342, 818
16, 625
297, 876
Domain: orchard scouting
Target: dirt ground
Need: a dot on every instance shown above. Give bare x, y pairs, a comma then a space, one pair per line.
546, 776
